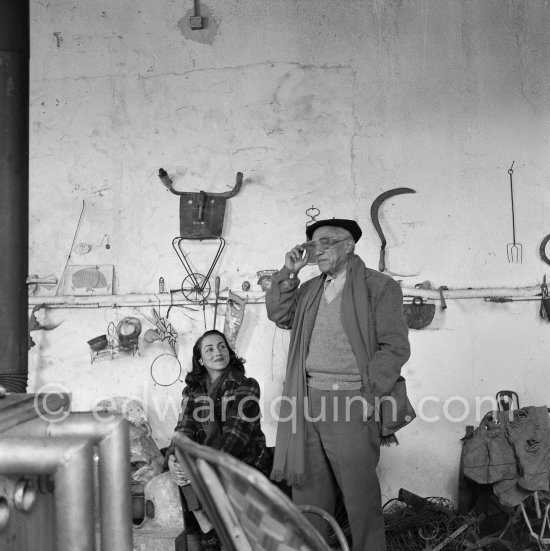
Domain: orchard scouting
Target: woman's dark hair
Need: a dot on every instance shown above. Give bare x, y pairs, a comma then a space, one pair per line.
198, 371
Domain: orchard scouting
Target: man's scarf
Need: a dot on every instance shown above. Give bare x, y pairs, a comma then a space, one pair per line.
289, 461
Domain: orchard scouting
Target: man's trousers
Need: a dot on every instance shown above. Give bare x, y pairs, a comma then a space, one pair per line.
342, 451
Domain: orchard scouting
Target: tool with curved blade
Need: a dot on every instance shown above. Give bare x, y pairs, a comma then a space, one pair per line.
375, 207
542, 249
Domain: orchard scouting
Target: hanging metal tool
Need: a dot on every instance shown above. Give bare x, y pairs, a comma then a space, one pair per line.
164, 331
375, 207
201, 214
217, 294
195, 286
542, 249
418, 314
313, 212
545, 301
62, 279
201, 218
442, 296
514, 249
234, 315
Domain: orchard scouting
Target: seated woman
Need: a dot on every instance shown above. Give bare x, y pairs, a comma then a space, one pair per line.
220, 408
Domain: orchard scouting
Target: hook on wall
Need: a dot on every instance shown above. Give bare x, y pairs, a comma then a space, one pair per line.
107, 240
85, 248
312, 213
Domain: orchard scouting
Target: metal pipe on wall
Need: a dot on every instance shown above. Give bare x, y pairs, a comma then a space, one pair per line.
130, 300
14, 185
70, 460
110, 433
532, 292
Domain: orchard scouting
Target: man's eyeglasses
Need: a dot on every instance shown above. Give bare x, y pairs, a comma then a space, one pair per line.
324, 243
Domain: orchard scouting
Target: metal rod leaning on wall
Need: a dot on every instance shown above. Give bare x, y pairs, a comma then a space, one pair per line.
70, 461
110, 434
165, 299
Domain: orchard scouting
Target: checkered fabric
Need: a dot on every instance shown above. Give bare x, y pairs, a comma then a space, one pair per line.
268, 519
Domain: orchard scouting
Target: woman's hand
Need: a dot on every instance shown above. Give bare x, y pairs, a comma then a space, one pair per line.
179, 475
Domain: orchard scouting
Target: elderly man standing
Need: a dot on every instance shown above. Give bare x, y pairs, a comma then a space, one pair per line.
348, 343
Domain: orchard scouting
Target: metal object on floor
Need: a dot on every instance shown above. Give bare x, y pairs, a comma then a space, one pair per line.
247, 510
63, 448
341, 538
110, 434
70, 461
416, 523
542, 536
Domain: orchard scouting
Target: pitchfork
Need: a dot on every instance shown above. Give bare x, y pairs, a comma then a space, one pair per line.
514, 249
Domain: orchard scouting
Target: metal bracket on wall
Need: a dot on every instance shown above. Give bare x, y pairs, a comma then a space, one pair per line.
201, 213
196, 287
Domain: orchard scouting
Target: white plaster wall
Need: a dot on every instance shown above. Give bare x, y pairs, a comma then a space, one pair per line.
324, 103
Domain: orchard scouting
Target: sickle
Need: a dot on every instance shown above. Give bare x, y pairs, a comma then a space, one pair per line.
543, 249
374, 216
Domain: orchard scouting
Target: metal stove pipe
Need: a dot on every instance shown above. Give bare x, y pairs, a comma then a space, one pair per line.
70, 460
14, 186
110, 434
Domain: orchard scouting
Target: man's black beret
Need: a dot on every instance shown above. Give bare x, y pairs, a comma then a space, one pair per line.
351, 225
